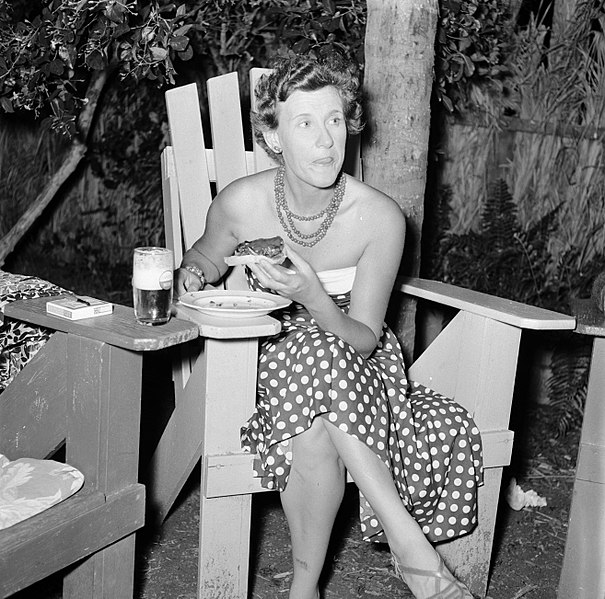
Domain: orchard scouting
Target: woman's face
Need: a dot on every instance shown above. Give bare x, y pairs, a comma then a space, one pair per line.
312, 134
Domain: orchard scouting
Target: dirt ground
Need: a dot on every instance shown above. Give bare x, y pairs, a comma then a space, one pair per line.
527, 557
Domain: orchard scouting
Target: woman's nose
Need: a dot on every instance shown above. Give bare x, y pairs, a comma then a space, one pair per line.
325, 139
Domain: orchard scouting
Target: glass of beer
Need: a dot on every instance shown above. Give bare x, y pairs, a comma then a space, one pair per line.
152, 272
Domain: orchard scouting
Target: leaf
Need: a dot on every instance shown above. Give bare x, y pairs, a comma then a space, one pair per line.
6, 104
469, 66
95, 60
121, 29
57, 67
115, 12
187, 54
158, 53
302, 46
183, 30
447, 103
179, 43
171, 7
329, 6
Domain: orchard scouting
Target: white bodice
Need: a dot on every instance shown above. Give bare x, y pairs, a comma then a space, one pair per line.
337, 280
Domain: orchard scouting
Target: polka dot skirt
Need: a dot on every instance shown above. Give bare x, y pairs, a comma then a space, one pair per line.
429, 443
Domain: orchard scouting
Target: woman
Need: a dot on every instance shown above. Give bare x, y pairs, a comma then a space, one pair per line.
332, 392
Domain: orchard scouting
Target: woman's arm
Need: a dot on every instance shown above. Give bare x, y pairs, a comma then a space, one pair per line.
218, 240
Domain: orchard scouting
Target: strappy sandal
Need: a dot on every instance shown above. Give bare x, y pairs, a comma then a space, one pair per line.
446, 586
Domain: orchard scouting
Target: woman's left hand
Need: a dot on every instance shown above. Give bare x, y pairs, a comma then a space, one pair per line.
298, 283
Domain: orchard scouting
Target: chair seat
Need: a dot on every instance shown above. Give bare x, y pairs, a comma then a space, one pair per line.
29, 486
67, 532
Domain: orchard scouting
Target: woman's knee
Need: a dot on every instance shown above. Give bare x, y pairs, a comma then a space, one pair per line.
314, 449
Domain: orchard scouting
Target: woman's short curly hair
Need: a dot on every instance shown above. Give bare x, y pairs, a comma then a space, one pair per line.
306, 73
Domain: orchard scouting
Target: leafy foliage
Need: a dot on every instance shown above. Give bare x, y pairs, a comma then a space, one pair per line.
314, 26
49, 50
568, 383
244, 32
505, 260
471, 47
46, 62
500, 258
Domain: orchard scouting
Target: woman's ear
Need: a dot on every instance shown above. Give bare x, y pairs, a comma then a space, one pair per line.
272, 140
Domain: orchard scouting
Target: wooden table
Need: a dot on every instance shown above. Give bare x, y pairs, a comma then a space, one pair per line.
583, 572
84, 388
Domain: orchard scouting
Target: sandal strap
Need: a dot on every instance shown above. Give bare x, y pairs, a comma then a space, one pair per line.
453, 588
453, 591
440, 572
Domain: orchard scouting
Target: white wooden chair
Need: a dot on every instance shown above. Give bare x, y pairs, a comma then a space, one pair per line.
473, 360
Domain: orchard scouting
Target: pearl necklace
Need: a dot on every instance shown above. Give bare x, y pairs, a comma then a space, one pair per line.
287, 217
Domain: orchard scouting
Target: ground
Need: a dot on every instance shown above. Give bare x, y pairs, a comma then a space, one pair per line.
528, 550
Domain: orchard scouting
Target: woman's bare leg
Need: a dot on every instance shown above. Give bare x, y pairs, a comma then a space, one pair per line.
311, 500
406, 540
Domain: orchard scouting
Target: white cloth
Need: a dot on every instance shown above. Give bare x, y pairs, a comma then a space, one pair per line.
337, 280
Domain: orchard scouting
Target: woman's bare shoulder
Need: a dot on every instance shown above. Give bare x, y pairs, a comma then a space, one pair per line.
376, 207
245, 194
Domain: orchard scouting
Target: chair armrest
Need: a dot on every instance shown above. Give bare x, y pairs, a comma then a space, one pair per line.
591, 321
230, 328
119, 328
503, 310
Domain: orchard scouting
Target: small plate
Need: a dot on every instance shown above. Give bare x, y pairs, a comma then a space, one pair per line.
234, 304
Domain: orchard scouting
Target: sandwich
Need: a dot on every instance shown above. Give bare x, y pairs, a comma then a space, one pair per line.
251, 252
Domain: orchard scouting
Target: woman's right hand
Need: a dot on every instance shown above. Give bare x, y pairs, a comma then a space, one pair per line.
185, 282
298, 283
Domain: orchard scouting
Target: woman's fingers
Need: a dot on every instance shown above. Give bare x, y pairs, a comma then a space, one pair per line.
186, 282
267, 272
271, 276
295, 258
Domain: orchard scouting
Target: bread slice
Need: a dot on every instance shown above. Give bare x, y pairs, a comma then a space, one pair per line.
263, 248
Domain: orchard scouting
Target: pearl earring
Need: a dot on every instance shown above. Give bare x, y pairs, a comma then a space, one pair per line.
277, 149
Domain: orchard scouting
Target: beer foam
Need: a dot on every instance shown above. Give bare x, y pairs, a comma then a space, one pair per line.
152, 278
152, 268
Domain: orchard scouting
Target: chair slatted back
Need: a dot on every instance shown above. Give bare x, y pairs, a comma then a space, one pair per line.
191, 172
201, 171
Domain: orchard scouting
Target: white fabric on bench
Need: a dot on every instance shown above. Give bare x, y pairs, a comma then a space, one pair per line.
29, 486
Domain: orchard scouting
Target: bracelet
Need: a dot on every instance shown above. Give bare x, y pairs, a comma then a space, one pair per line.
218, 272
198, 272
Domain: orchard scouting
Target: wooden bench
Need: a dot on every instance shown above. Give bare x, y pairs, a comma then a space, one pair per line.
82, 389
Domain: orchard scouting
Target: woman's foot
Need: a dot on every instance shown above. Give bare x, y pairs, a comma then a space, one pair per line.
432, 584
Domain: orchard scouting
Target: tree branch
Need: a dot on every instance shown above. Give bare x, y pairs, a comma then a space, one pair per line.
93, 93
70, 163
28, 218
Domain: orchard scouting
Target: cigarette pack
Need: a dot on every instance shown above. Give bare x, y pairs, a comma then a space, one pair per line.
77, 307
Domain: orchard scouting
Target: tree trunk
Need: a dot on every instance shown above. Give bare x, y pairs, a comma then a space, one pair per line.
67, 168
399, 56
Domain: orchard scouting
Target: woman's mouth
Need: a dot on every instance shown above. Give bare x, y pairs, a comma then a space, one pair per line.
324, 161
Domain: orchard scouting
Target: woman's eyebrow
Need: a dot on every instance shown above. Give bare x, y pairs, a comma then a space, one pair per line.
309, 114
